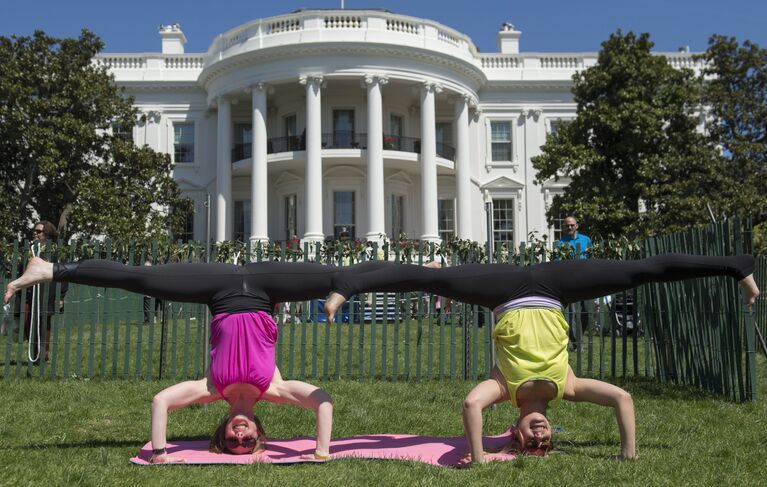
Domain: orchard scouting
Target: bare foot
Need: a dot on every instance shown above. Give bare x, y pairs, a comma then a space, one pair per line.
433, 265
37, 271
750, 289
333, 303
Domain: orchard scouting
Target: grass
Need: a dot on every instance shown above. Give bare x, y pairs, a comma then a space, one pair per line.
82, 432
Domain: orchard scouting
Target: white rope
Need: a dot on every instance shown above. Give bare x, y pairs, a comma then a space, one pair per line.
35, 310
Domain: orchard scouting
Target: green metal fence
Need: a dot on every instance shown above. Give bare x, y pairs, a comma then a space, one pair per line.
692, 333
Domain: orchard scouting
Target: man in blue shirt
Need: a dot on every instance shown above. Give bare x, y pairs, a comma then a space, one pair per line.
578, 241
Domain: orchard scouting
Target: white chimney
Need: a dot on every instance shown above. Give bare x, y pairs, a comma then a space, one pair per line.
508, 39
173, 39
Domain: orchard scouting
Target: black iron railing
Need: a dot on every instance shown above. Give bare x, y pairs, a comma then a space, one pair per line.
341, 139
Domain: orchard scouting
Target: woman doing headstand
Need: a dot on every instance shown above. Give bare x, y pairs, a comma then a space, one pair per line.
243, 337
530, 336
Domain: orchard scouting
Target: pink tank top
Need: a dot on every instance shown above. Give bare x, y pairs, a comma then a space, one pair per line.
242, 350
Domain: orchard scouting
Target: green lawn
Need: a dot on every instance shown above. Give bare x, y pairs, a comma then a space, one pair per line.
82, 432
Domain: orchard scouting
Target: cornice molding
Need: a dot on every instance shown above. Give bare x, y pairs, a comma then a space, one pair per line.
220, 68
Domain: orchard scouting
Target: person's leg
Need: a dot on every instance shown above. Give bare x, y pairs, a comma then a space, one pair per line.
578, 280
197, 283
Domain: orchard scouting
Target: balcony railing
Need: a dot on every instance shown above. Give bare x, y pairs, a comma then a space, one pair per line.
341, 139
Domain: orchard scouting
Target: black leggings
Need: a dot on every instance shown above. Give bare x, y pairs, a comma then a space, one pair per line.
226, 288
566, 281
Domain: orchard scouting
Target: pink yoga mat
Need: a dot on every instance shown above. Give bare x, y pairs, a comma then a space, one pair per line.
445, 452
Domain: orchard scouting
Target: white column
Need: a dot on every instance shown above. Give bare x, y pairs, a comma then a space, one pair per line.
258, 187
313, 201
376, 201
224, 206
462, 176
430, 228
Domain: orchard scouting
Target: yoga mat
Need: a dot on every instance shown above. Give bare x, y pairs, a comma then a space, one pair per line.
444, 452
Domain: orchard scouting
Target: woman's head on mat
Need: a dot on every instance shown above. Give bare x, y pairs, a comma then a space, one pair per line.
239, 435
533, 433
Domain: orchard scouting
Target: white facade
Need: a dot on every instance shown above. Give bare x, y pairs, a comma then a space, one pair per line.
376, 123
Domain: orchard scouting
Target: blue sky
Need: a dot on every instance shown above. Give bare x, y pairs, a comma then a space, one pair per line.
553, 25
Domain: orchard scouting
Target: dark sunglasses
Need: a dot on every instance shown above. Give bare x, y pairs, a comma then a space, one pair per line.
37, 230
533, 444
232, 443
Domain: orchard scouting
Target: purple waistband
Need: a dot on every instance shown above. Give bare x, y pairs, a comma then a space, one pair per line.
527, 302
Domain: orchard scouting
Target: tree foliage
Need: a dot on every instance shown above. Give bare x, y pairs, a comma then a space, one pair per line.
735, 94
637, 163
61, 160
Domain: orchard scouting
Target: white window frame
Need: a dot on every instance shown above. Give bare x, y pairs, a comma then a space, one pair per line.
515, 218
390, 214
285, 214
556, 119
171, 123
513, 193
355, 211
355, 122
454, 230
514, 162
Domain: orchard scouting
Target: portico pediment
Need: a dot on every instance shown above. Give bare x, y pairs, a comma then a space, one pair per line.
502, 183
554, 183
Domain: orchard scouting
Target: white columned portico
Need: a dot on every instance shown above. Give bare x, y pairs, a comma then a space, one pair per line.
224, 206
430, 226
462, 176
376, 202
258, 187
313, 204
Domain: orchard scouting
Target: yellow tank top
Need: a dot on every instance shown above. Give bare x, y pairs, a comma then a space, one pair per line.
531, 343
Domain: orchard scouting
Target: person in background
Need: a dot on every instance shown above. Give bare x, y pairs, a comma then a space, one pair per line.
580, 244
42, 233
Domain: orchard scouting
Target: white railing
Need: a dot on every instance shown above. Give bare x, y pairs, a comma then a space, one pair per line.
501, 62
185, 62
680, 61
343, 22
560, 62
446, 37
403, 26
286, 25
122, 61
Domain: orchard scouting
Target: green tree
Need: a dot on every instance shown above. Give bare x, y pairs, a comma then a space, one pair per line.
636, 162
734, 80
61, 160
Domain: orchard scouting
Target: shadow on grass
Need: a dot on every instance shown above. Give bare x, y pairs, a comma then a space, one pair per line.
581, 448
84, 444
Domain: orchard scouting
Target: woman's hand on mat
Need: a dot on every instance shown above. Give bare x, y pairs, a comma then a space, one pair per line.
487, 456
165, 458
315, 457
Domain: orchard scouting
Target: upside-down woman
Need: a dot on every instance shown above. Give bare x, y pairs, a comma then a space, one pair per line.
243, 337
530, 336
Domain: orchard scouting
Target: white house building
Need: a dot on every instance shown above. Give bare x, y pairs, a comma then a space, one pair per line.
321, 120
